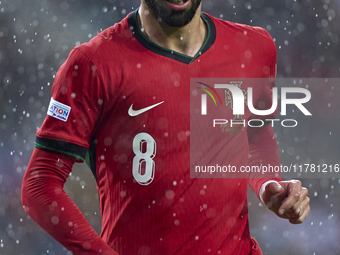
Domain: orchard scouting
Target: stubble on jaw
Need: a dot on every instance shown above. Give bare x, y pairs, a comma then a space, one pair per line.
170, 17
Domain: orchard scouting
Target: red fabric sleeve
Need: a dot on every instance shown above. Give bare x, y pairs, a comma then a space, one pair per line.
263, 150
45, 200
78, 88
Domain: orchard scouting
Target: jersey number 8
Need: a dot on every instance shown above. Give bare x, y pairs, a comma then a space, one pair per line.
144, 147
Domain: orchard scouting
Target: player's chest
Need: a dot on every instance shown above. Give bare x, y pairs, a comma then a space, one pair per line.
154, 88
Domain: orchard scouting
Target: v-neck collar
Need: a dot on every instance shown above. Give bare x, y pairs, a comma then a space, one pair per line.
209, 41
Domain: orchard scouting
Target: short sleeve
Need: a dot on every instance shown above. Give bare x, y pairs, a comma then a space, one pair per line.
74, 109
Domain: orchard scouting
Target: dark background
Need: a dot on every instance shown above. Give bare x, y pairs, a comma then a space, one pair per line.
35, 39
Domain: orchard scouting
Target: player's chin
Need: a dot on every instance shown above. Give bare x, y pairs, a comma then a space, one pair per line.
175, 18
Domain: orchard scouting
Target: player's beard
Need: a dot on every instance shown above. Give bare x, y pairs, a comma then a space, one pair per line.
170, 17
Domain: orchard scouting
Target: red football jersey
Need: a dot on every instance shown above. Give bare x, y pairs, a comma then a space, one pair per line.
122, 102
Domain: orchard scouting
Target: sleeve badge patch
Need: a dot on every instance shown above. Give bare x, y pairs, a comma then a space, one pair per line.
58, 110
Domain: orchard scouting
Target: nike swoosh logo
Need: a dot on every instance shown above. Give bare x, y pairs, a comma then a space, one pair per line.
133, 113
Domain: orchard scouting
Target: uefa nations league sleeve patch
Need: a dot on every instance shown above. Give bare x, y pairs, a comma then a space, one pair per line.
58, 110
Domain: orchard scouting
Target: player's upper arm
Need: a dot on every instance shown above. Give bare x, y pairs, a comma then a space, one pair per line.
75, 108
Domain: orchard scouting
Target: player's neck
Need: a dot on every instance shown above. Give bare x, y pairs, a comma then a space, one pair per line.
186, 40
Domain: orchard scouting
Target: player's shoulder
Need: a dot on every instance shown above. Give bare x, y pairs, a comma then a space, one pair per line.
252, 33
106, 44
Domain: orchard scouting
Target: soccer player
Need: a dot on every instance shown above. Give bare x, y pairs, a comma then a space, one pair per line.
121, 102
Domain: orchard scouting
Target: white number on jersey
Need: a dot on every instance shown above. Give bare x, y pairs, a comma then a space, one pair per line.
144, 147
